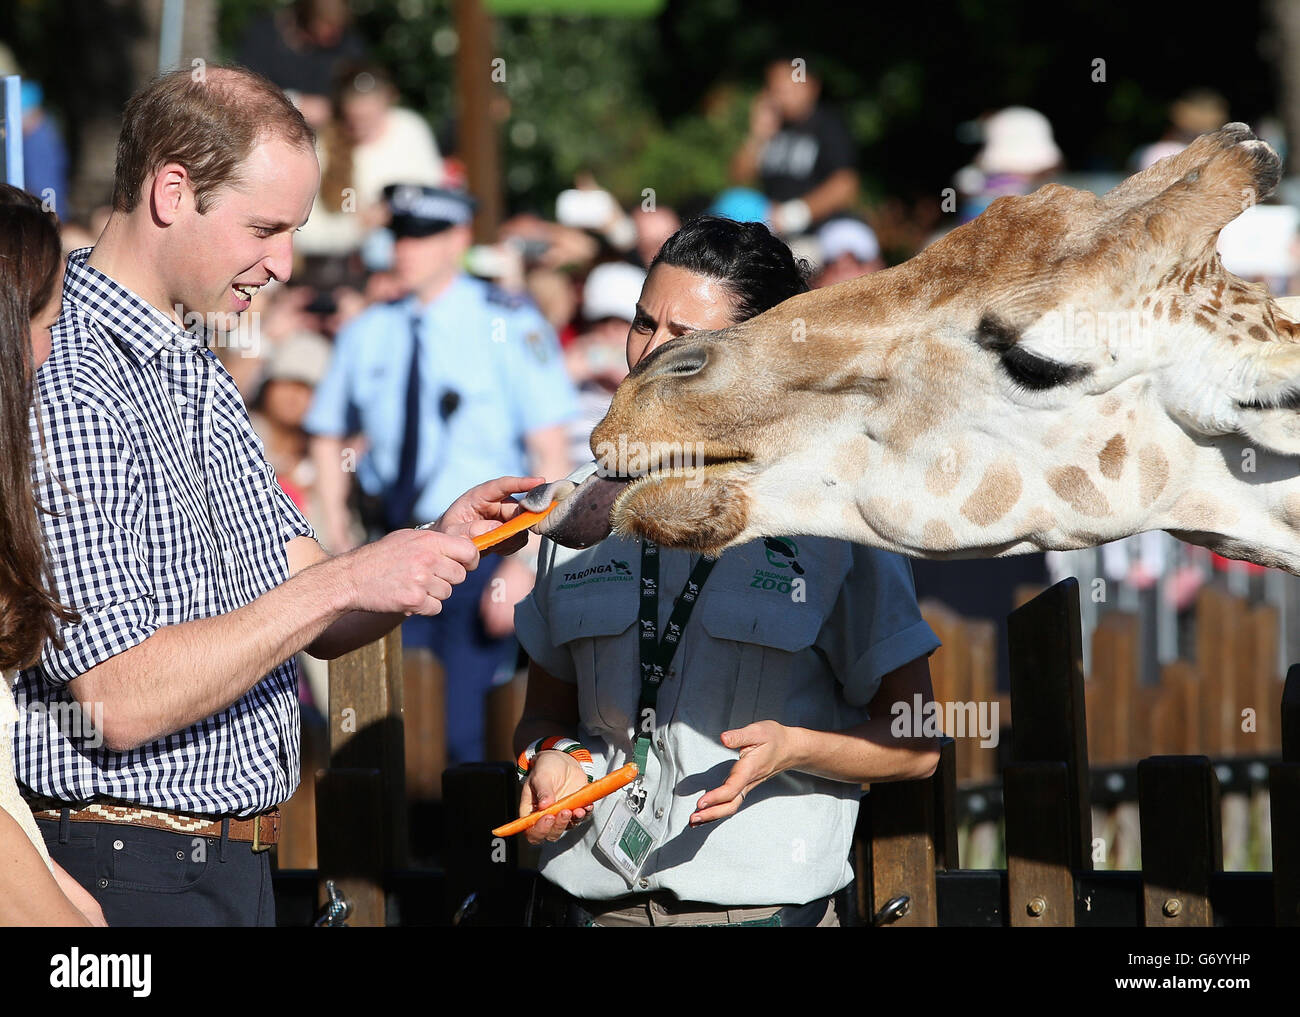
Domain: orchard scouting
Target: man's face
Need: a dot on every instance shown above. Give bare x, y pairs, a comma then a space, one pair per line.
217, 261
421, 262
794, 96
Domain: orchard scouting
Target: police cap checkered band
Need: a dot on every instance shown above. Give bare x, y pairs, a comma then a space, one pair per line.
419, 210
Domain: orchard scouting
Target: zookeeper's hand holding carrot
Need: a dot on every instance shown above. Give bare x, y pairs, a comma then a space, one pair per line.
551, 776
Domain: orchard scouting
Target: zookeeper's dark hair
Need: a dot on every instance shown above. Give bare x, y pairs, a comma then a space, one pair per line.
756, 266
30, 256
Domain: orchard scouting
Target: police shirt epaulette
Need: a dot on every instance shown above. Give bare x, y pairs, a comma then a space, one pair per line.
504, 298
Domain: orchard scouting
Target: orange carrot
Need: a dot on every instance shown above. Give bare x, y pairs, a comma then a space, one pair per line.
506, 530
581, 798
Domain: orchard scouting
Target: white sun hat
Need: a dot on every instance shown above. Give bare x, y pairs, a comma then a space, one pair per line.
1018, 140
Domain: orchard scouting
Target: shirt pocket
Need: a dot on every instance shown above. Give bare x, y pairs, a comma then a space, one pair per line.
250, 554
757, 641
598, 629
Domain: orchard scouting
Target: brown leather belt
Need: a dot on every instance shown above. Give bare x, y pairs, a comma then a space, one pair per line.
259, 831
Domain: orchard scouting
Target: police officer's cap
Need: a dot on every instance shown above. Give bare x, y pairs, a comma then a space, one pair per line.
419, 210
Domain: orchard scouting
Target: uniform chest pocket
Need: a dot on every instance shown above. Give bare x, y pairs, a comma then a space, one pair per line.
754, 642
598, 628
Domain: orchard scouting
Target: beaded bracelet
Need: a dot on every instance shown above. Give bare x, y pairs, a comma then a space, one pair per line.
561, 744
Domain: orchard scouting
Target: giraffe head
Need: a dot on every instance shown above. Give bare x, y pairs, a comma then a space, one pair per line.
1062, 371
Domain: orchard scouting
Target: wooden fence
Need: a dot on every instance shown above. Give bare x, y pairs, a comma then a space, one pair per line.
909, 845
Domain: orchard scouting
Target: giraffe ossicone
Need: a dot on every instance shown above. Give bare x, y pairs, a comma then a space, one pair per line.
1062, 371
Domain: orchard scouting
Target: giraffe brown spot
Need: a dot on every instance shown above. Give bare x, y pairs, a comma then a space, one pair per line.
997, 491
1159, 307
1111, 457
1257, 332
937, 535
887, 517
1197, 510
1175, 312
1075, 488
943, 473
1237, 317
1203, 321
1039, 522
1291, 511
1153, 474
1234, 338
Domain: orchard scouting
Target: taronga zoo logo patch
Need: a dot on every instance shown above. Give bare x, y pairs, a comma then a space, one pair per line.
614, 571
783, 559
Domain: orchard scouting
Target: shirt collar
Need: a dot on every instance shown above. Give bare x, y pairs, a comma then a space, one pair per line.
445, 302
133, 322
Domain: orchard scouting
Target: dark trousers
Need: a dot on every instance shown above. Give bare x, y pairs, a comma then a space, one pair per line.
470, 659
150, 877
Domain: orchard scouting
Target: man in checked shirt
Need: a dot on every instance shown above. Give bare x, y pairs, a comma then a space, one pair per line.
195, 577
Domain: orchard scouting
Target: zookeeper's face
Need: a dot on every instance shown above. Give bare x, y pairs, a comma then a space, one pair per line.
675, 301
245, 239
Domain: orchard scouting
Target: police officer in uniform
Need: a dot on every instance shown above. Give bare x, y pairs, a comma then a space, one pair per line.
452, 383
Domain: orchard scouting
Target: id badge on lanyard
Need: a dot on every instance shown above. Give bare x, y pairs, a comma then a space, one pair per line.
632, 831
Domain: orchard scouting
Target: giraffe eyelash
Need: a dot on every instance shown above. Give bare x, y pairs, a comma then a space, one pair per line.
1033, 373
1286, 401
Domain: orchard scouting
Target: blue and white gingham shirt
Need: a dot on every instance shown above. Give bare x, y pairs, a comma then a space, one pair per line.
167, 512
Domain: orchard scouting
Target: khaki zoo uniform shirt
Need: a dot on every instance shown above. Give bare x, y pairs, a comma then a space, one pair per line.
806, 646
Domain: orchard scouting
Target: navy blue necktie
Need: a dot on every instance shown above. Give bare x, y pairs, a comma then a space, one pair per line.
401, 503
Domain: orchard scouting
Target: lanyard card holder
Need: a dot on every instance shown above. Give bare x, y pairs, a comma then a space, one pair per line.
628, 837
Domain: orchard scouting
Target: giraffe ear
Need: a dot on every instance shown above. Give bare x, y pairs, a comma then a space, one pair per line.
1271, 416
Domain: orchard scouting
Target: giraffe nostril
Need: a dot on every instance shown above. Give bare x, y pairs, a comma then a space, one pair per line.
690, 365
681, 362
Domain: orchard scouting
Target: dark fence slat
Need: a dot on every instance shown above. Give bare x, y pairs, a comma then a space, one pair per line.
1040, 843
1284, 805
1047, 704
349, 852
902, 849
944, 783
366, 733
478, 798
1182, 843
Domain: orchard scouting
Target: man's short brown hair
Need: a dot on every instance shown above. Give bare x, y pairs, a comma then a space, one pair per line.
208, 120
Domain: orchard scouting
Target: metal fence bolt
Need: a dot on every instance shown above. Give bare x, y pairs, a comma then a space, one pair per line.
1037, 905
894, 909
1173, 907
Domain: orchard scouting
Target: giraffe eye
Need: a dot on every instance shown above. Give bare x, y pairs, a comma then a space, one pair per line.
1035, 373
1026, 370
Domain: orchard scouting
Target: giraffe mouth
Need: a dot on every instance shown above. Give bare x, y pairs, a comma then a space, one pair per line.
590, 498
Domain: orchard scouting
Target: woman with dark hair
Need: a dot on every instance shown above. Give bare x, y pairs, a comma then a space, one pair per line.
33, 890
756, 701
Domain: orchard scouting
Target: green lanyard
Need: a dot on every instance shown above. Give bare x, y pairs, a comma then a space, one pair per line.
657, 654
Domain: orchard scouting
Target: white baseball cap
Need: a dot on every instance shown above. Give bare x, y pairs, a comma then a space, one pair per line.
611, 291
848, 236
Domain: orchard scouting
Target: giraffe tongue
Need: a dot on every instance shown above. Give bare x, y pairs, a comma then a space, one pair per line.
581, 518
